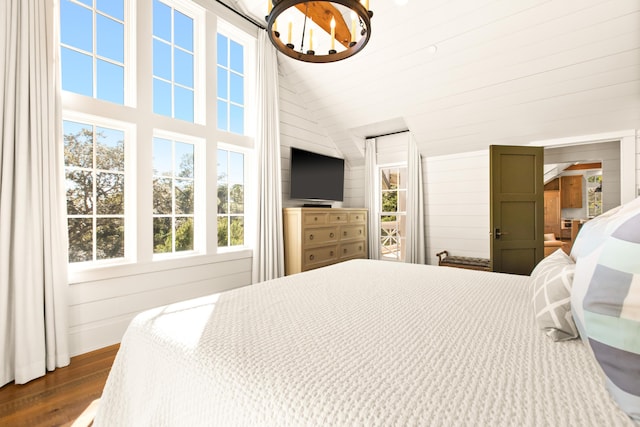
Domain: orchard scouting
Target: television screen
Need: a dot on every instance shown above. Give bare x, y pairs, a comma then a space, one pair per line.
315, 176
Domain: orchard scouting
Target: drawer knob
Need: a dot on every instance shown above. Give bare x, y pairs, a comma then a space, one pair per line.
357, 217
345, 233
331, 253
331, 235
312, 257
310, 236
344, 251
359, 248
315, 218
338, 218
359, 231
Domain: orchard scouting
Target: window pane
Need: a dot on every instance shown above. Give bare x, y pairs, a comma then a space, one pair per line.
237, 57
183, 69
223, 83
79, 186
183, 30
223, 198
109, 149
76, 26
162, 235
110, 82
109, 238
223, 115
162, 164
184, 196
237, 89
80, 239
161, 60
78, 144
236, 167
237, 199
184, 160
237, 231
77, 72
109, 193
223, 168
162, 200
223, 50
223, 232
389, 201
236, 124
183, 104
161, 97
113, 8
110, 38
161, 20
184, 234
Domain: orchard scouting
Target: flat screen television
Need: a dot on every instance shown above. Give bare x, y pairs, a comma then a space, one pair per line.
315, 176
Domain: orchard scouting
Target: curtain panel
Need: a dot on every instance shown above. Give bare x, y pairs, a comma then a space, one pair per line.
33, 240
415, 251
268, 256
371, 196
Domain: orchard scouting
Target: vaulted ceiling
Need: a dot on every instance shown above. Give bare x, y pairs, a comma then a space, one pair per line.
464, 74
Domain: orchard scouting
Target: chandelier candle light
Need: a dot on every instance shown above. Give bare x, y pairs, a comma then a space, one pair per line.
321, 25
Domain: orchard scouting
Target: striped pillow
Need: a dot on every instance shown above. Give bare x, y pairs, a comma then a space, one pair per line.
610, 315
552, 279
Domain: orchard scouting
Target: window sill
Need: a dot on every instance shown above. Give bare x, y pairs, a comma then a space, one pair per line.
81, 275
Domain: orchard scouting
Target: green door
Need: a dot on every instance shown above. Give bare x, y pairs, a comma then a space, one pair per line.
517, 208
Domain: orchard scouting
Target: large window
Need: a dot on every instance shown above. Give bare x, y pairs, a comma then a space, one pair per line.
393, 198
173, 62
150, 175
92, 48
94, 159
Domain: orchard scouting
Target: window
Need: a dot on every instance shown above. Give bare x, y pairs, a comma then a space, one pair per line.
94, 159
393, 185
92, 48
230, 91
230, 198
594, 195
173, 62
141, 175
173, 196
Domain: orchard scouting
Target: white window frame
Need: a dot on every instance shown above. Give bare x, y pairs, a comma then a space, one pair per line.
130, 188
249, 196
142, 125
380, 167
199, 215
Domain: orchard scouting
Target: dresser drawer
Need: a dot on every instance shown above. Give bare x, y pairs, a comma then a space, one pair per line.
355, 249
338, 218
310, 218
357, 218
320, 255
348, 232
320, 235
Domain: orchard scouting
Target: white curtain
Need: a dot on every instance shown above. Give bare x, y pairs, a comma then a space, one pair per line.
268, 257
371, 196
415, 250
33, 241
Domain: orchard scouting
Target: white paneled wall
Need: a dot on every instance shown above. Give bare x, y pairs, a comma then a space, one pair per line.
354, 187
101, 308
457, 204
298, 129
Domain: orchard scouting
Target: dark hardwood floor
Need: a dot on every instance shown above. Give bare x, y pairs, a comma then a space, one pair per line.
61, 397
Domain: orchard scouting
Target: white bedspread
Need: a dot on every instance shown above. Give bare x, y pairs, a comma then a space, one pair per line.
359, 343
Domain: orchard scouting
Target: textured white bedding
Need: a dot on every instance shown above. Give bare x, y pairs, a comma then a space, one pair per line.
358, 343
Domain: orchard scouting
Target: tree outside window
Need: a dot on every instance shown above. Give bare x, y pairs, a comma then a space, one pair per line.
94, 168
230, 198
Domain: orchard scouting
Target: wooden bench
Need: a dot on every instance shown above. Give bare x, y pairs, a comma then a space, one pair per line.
469, 263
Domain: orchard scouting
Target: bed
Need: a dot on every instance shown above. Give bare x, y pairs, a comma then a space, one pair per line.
363, 342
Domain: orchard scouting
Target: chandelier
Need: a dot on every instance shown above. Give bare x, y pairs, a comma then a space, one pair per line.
319, 31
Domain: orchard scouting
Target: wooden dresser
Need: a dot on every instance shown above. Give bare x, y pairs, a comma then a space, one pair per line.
316, 237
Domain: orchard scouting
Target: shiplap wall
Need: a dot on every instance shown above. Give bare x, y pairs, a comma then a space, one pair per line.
298, 129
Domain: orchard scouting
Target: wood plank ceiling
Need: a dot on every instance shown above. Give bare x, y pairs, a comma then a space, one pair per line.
503, 72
